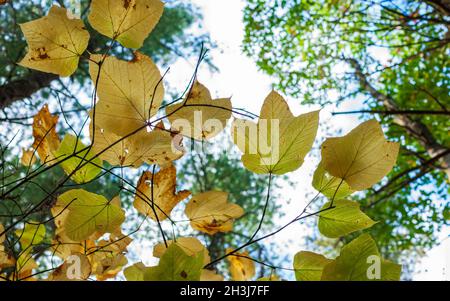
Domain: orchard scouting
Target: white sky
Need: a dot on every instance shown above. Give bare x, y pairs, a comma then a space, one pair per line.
238, 77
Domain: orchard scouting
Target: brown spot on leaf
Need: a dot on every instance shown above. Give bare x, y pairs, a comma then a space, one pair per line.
183, 274
126, 3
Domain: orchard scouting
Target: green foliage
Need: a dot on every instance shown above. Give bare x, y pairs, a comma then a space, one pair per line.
329, 52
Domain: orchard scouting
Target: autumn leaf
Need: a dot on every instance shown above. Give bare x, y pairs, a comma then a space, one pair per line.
190, 245
241, 267
88, 213
309, 266
343, 219
28, 157
154, 147
210, 275
362, 157
272, 277
76, 267
83, 165
279, 142
55, 42
163, 193
127, 21
210, 213
129, 92
6, 259
31, 234
46, 140
199, 116
174, 265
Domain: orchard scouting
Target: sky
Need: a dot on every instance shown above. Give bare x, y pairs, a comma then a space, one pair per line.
239, 78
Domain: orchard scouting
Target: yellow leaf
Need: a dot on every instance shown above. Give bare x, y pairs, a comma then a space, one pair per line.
6, 260
362, 157
76, 267
31, 234
199, 116
88, 213
279, 142
25, 263
28, 157
210, 213
152, 147
241, 267
127, 21
210, 275
272, 277
46, 140
190, 245
129, 92
110, 266
55, 42
165, 196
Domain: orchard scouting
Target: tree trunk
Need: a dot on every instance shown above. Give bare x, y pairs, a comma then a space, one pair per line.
413, 126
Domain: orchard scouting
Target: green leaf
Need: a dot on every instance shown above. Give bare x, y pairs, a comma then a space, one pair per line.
31, 234
174, 265
135, 272
88, 213
329, 186
343, 219
309, 266
359, 261
88, 172
390, 271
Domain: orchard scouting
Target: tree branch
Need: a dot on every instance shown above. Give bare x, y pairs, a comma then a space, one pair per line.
24, 87
414, 127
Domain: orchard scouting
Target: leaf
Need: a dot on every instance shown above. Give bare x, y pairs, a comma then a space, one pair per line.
353, 263
127, 21
362, 157
309, 266
210, 213
241, 267
199, 116
31, 234
129, 92
190, 245
390, 271
68, 271
135, 272
88, 213
272, 277
344, 219
174, 265
329, 186
28, 157
164, 195
46, 140
110, 266
157, 146
279, 142
25, 263
70, 145
6, 259
210, 275
55, 42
